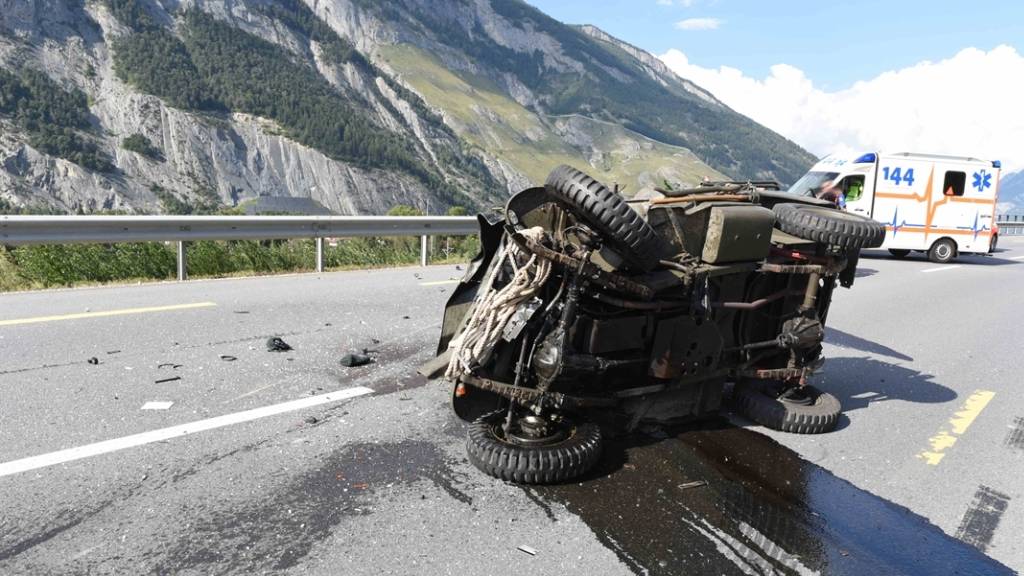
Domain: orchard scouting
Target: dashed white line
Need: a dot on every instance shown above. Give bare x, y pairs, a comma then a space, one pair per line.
1017, 258
62, 456
953, 267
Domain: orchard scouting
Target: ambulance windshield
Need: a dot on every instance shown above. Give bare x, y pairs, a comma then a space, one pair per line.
811, 183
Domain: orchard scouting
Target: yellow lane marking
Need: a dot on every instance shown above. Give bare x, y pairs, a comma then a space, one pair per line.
105, 313
439, 282
958, 425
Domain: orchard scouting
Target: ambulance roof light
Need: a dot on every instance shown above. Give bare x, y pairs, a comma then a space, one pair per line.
997, 164
866, 158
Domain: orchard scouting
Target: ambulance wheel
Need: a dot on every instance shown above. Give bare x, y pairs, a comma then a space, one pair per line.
993, 243
943, 251
532, 451
801, 410
829, 226
899, 252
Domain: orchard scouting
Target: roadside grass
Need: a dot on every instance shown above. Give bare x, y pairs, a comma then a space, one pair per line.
47, 266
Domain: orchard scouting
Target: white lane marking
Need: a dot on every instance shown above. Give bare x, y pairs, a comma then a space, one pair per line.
61, 456
953, 267
106, 313
439, 282
1017, 258
157, 405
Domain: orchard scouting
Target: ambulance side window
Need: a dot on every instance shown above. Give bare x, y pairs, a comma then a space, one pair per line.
954, 183
853, 188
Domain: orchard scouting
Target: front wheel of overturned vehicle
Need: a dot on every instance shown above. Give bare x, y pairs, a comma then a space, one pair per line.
533, 451
805, 410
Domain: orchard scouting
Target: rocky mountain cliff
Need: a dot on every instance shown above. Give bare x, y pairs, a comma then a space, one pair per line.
150, 105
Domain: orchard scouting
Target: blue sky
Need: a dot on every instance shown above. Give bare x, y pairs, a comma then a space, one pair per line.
834, 43
843, 77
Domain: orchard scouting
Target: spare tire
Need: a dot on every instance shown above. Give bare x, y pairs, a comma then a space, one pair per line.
829, 226
759, 400
607, 213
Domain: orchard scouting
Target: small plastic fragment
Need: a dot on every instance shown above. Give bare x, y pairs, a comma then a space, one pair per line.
529, 550
694, 484
276, 344
171, 379
352, 360
94, 360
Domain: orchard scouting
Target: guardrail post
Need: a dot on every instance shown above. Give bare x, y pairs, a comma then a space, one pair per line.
319, 254
182, 265
424, 255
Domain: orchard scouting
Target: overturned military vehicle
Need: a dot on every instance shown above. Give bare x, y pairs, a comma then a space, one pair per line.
584, 312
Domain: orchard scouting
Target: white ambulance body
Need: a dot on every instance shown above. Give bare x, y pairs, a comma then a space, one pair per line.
942, 205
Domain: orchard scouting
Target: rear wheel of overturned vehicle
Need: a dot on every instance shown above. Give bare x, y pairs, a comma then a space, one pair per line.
942, 251
899, 253
606, 212
802, 410
829, 226
534, 450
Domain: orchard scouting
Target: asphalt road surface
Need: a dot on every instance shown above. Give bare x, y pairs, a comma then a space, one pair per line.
147, 430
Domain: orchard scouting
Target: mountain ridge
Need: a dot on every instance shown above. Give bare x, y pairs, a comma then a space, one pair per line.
326, 99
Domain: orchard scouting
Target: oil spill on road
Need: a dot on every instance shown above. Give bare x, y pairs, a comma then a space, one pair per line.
276, 532
764, 510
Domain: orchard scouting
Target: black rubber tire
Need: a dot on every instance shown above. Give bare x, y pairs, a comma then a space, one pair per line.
943, 251
993, 243
607, 212
899, 253
548, 464
753, 399
829, 226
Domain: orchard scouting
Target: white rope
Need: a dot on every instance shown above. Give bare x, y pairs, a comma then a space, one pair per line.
494, 308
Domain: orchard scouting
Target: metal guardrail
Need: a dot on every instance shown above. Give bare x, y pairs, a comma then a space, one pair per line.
21, 230
1010, 224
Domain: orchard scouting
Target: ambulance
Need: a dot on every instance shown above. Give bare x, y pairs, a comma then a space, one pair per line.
941, 205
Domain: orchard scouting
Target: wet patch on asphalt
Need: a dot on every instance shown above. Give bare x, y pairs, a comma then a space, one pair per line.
60, 523
763, 510
278, 531
981, 519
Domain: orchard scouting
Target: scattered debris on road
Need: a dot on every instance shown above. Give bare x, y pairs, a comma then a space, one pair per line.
528, 549
276, 344
228, 357
170, 365
94, 360
694, 484
113, 351
158, 405
311, 420
241, 311
353, 360
166, 380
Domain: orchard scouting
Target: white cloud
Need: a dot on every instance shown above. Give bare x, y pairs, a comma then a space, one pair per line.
965, 105
699, 24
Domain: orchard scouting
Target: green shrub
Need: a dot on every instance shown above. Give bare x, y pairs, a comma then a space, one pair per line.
139, 144
70, 264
